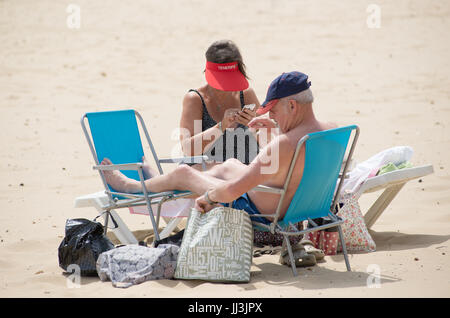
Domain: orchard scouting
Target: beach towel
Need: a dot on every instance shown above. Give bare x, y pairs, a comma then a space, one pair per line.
134, 264
362, 171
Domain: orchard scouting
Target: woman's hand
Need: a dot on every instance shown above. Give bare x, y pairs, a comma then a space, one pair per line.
202, 205
229, 118
244, 116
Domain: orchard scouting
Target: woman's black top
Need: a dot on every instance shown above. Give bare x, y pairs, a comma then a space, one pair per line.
245, 155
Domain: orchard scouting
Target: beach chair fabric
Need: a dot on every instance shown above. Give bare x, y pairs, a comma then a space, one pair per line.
324, 154
115, 135
316, 194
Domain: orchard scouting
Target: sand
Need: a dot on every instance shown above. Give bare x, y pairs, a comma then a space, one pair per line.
392, 81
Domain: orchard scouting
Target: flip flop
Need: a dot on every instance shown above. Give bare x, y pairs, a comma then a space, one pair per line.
310, 249
258, 253
301, 257
265, 250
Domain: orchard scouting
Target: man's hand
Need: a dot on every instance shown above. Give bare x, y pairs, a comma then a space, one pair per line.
265, 127
262, 122
202, 205
268, 124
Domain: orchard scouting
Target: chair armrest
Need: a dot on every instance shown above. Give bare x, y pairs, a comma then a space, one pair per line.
264, 188
194, 159
124, 166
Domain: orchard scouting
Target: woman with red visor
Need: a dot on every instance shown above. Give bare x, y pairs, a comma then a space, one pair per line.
217, 108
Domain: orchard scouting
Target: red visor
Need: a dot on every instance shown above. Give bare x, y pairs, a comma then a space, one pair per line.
225, 76
264, 109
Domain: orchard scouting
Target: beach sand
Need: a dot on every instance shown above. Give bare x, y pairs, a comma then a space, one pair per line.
393, 81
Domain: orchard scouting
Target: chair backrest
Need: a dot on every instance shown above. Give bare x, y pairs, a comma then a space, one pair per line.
116, 136
324, 154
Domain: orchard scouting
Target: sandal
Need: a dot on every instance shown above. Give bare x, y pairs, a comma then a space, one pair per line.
310, 249
301, 257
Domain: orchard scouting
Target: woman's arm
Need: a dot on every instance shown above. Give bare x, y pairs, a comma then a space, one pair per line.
193, 140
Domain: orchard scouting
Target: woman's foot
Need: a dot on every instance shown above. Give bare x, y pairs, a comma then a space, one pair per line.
118, 181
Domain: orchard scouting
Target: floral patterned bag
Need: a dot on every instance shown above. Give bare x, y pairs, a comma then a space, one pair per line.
356, 235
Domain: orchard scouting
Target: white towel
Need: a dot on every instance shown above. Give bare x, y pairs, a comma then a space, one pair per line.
361, 172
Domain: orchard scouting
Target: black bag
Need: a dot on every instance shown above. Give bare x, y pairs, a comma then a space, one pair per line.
175, 239
83, 243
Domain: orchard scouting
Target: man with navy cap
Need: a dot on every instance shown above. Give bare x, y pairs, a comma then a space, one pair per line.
289, 91
289, 104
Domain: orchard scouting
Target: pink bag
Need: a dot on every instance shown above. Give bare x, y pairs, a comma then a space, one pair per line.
326, 241
313, 237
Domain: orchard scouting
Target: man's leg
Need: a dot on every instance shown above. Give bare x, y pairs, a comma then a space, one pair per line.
188, 178
182, 178
227, 170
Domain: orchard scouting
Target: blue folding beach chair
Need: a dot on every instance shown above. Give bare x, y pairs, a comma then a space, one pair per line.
316, 194
115, 135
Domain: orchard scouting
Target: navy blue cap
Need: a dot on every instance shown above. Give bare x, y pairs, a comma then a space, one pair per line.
286, 84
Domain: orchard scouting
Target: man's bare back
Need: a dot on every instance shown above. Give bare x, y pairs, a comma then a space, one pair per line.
267, 202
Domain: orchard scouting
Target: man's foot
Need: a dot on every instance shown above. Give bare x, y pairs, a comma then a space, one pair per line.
118, 181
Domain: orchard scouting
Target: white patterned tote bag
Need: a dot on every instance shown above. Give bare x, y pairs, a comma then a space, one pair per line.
216, 246
354, 229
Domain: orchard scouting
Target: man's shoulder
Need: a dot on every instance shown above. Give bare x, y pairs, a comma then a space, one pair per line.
296, 134
329, 125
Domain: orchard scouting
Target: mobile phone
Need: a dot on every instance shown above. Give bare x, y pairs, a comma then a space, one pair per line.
250, 106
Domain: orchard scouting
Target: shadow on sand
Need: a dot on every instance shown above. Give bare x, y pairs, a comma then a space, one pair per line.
316, 277
395, 241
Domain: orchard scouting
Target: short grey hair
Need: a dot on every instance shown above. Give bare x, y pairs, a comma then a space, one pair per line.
304, 97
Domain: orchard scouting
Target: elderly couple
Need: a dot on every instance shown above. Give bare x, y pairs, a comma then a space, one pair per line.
219, 106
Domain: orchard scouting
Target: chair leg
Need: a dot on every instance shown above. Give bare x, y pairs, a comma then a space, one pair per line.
122, 232
291, 255
381, 204
344, 248
169, 228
